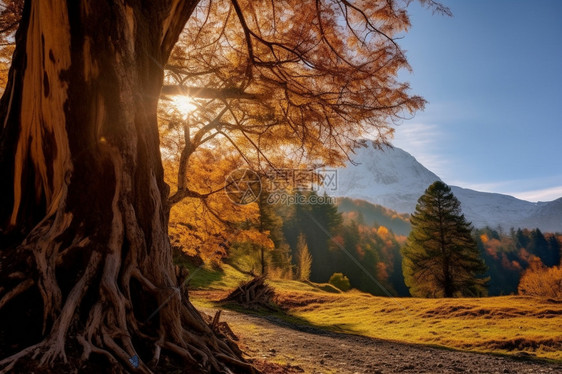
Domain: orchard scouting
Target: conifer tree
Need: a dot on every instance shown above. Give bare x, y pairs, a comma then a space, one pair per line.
539, 246
271, 223
554, 247
440, 258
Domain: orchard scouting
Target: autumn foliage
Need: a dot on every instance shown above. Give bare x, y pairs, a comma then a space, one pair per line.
539, 280
85, 205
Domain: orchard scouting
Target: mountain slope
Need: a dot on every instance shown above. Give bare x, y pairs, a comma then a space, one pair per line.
391, 178
395, 179
375, 215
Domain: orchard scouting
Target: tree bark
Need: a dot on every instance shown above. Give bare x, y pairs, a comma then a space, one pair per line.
83, 216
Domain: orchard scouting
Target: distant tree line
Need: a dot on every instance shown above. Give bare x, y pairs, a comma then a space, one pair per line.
315, 241
508, 255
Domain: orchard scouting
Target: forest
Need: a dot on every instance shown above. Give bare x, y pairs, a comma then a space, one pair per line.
369, 233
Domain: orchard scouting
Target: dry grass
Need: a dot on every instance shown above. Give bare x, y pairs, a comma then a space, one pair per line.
514, 325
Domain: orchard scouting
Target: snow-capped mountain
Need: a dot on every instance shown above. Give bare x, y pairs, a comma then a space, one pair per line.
395, 179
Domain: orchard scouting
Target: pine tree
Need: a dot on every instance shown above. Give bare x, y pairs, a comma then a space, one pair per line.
521, 239
269, 222
540, 247
440, 258
554, 248
319, 223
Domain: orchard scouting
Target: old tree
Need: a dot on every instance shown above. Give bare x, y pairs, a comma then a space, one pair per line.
86, 274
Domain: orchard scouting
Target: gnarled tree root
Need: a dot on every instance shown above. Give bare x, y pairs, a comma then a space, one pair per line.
113, 329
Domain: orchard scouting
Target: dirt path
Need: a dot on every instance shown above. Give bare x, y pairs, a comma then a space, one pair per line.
311, 350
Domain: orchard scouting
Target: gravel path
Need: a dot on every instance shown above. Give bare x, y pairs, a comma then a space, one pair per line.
312, 350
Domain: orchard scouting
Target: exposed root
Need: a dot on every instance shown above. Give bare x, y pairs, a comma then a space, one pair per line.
122, 354
182, 352
94, 309
111, 322
149, 286
91, 348
20, 288
248, 368
9, 362
156, 356
216, 318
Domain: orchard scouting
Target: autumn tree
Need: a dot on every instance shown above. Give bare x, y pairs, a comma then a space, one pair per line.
86, 266
540, 280
10, 13
260, 109
304, 259
440, 258
205, 226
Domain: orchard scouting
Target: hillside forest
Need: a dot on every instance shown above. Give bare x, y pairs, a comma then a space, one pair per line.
341, 232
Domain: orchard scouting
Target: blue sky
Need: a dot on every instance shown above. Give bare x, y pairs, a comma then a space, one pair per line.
493, 77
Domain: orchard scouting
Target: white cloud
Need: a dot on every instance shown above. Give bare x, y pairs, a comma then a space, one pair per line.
484, 187
421, 140
424, 141
546, 194
525, 189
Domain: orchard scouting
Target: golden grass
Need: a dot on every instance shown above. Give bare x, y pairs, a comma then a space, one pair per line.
514, 325
508, 325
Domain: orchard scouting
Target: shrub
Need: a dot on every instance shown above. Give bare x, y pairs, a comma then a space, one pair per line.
340, 281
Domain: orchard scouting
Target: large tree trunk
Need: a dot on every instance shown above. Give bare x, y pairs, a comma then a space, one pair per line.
85, 258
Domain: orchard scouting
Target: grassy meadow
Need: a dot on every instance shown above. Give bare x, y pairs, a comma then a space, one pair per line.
522, 326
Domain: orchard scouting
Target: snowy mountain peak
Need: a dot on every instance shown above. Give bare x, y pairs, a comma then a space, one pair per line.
393, 178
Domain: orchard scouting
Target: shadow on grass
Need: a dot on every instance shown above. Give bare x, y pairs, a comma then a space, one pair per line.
204, 277
281, 318
200, 277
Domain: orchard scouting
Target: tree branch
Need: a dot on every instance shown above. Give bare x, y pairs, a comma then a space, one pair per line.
207, 92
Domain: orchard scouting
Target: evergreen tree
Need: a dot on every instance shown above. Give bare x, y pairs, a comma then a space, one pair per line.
351, 242
554, 248
269, 219
319, 223
440, 258
540, 247
269, 222
521, 239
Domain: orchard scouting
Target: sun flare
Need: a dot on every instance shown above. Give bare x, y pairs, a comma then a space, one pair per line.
184, 105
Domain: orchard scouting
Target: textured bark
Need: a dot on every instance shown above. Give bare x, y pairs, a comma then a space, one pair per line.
83, 213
